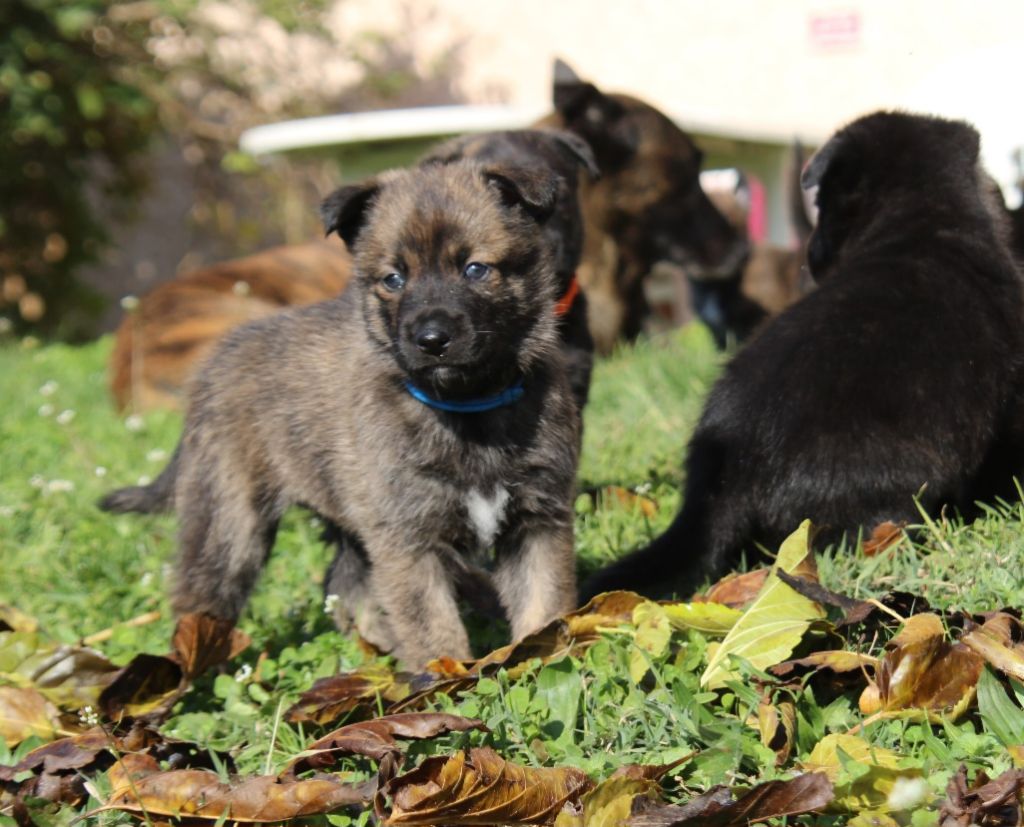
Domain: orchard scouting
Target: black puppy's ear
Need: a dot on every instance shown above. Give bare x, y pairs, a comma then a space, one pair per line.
535, 190
579, 149
344, 210
818, 165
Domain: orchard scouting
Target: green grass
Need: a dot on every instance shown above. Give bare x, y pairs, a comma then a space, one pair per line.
80, 571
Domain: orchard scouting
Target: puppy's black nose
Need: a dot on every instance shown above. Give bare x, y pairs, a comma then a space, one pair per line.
433, 340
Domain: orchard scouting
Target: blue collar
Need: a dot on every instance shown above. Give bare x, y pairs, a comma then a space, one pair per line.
512, 394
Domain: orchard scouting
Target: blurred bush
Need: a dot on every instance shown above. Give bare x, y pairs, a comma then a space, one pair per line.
88, 87
72, 136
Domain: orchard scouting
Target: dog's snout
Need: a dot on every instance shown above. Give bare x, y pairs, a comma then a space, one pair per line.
433, 339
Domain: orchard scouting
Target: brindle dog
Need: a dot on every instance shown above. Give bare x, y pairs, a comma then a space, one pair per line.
901, 375
648, 205
565, 154
426, 411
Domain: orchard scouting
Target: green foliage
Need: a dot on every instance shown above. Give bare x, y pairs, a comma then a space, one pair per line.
72, 133
80, 571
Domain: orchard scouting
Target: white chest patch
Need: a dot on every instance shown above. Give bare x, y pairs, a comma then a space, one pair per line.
487, 513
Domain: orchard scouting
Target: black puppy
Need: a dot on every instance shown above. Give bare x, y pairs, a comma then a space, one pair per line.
900, 375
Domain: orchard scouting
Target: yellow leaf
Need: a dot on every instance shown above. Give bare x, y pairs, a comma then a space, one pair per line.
24, 712
609, 804
775, 622
652, 635
709, 618
869, 790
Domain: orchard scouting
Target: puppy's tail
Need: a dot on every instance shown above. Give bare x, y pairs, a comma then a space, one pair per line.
154, 498
656, 569
699, 544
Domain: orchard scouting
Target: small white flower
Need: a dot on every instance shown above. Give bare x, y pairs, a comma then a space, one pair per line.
244, 673
129, 303
147, 578
907, 793
64, 417
6, 510
48, 388
644, 488
100, 471
330, 602
156, 455
46, 409
37, 481
241, 288
59, 486
87, 716
145, 479
6, 325
134, 423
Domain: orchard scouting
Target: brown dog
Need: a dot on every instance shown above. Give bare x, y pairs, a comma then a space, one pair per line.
176, 325
426, 411
647, 206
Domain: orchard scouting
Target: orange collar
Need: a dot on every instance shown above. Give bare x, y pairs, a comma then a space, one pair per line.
565, 303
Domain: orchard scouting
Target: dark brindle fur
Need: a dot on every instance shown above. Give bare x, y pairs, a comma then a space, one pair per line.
310, 406
564, 154
901, 372
647, 206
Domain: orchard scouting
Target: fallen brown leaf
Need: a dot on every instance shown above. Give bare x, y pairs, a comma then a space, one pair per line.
480, 788
999, 641
201, 641
150, 685
984, 803
805, 793
628, 500
25, 712
921, 670
650, 772
736, 590
883, 536
776, 721
140, 786
60, 769
836, 660
330, 698
376, 738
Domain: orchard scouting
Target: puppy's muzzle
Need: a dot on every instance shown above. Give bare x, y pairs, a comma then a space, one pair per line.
435, 334
433, 340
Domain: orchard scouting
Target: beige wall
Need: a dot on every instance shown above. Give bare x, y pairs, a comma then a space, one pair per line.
748, 68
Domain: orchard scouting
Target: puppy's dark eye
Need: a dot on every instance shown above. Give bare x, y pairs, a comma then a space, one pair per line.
474, 271
393, 282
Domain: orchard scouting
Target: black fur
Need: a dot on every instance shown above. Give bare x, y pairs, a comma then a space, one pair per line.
900, 374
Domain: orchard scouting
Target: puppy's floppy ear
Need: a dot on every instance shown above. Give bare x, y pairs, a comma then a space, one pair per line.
579, 149
344, 210
533, 189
